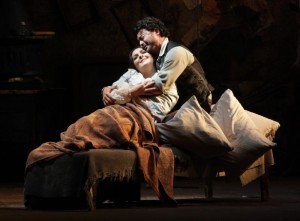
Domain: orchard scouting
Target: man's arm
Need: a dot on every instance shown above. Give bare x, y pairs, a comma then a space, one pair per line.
176, 60
147, 88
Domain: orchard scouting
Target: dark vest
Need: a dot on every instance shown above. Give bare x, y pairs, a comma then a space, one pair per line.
191, 81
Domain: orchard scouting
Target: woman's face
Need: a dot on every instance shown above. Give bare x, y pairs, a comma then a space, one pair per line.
141, 59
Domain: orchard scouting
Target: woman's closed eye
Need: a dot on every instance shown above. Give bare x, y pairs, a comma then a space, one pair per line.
135, 57
141, 52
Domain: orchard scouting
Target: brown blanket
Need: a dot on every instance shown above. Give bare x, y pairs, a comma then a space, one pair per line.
117, 126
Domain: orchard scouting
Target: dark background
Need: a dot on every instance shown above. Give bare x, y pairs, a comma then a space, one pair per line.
56, 55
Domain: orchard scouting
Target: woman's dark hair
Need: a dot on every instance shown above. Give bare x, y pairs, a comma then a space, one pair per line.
131, 63
151, 23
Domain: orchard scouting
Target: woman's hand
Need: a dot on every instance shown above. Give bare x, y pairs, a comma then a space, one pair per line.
106, 98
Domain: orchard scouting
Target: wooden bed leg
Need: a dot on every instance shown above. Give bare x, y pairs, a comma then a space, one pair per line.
208, 190
264, 186
92, 197
208, 177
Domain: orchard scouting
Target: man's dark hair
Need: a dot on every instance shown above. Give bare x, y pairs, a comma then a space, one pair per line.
151, 23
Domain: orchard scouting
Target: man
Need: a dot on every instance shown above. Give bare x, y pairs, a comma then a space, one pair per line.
173, 62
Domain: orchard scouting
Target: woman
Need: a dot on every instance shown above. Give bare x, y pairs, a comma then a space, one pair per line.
128, 126
137, 84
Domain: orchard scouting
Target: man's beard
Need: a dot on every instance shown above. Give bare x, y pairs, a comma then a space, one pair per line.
151, 50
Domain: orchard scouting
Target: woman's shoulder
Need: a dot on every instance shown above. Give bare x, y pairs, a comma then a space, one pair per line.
132, 71
134, 77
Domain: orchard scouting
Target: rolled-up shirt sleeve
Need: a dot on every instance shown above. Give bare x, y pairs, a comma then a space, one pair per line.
176, 60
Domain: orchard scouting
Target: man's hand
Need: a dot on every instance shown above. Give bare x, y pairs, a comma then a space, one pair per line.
150, 88
147, 88
106, 98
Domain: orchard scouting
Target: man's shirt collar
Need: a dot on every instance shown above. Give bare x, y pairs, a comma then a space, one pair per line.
163, 47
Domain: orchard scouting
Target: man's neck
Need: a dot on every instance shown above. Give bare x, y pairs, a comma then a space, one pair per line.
163, 46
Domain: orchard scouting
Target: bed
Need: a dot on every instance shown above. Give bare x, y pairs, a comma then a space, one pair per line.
230, 141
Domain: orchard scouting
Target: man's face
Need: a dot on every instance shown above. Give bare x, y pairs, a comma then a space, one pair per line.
149, 40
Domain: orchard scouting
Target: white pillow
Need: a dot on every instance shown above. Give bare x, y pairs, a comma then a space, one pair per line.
248, 141
192, 129
267, 126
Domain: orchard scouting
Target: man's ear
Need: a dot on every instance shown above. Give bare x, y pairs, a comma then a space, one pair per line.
156, 31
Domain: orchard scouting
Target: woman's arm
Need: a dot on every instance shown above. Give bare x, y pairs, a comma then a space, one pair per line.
106, 98
106, 91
